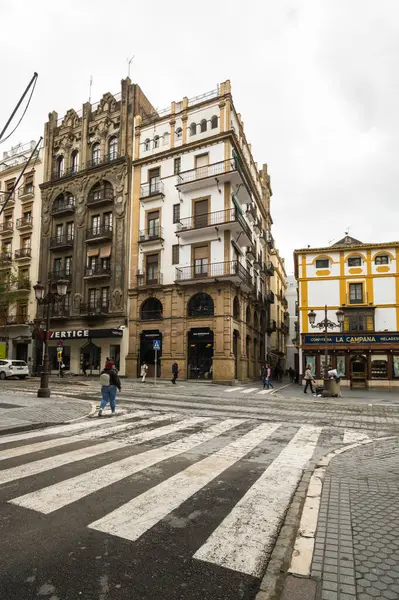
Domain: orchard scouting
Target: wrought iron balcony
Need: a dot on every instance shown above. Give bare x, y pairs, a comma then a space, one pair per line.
270, 240
229, 270
99, 232
14, 319
26, 192
99, 197
93, 309
5, 259
228, 219
60, 242
61, 174
24, 223
225, 170
150, 278
63, 206
272, 326
98, 270
153, 234
58, 274
104, 160
24, 284
60, 311
151, 190
270, 297
268, 268
23, 253
263, 238
6, 227
251, 252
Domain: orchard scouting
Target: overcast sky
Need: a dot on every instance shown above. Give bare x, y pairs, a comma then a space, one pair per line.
316, 82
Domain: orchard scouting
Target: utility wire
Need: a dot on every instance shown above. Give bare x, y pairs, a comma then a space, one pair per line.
23, 114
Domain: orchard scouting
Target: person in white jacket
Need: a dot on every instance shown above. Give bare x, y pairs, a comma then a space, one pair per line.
143, 372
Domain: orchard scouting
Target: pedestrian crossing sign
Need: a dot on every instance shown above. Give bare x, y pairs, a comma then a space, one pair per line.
156, 345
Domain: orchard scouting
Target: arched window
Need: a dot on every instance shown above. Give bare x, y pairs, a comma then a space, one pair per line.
156, 141
74, 161
203, 125
101, 191
200, 305
113, 148
60, 166
147, 145
165, 138
248, 316
255, 320
193, 128
95, 153
151, 310
63, 202
179, 133
214, 122
236, 309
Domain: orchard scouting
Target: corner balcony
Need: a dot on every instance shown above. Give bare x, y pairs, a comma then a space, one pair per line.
152, 191
229, 271
219, 172
6, 228
151, 236
99, 233
100, 198
98, 271
200, 227
62, 242
23, 253
94, 309
63, 207
26, 192
24, 223
149, 279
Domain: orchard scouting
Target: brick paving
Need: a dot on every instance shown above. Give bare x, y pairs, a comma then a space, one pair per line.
357, 540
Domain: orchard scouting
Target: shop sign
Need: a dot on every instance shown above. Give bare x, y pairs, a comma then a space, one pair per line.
375, 338
84, 334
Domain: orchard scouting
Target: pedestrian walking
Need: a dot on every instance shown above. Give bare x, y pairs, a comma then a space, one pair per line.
291, 374
30, 366
175, 371
266, 374
308, 380
85, 364
143, 372
110, 382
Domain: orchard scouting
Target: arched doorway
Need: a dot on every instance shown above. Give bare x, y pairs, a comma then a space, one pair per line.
358, 370
200, 353
235, 352
147, 352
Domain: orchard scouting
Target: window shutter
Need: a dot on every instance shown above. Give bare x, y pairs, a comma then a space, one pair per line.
346, 323
369, 323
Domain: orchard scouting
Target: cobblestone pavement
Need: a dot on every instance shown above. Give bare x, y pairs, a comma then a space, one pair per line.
22, 411
357, 541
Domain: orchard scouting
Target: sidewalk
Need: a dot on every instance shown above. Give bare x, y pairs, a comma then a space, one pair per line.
20, 413
356, 552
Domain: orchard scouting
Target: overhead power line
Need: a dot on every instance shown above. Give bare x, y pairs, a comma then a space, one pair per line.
32, 82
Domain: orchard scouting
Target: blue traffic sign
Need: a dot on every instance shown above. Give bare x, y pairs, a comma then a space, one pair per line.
156, 344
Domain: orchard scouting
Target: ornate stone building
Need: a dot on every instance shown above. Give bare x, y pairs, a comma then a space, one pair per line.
85, 225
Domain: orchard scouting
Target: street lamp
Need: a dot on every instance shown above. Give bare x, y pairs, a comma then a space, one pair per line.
48, 299
326, 324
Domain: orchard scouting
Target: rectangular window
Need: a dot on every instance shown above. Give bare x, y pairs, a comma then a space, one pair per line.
154, 176
27, 216
201, 213
153, 223
95, 224
177, 165
359, 321
57, 266
355, 293
175, 254
59, 230
354, 261
201, 261
107, 220
152, 268
70, 230
176, 213
105, 296
382, 259
68, 265
26, 242
93, 295
322, 263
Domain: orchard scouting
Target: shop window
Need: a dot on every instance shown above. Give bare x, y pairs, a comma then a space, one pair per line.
379, 366
236, 309
322, 263
355, 293
355, 261
396, 366
311, 361
151, 310
201, 305
381, 259
341, 366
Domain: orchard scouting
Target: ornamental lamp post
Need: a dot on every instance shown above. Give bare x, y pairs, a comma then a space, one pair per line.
326, 324
48, 300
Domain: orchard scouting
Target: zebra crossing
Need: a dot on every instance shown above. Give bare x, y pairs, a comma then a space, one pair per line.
201, 452
254, 391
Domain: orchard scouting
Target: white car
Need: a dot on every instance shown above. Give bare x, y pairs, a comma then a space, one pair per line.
13, 368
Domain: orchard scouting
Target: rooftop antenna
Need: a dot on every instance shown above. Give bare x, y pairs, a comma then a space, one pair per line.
129, 62
90, 86
347, 230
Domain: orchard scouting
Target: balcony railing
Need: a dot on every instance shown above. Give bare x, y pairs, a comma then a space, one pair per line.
6, 227
58, 274
94, 308
58, 311
26, 191
100, 197
213, 219
151, 235
251, 252
63, 206
62, 241
14, 319
270, 297
149, 278
270, 240
60, 174
24, 222
100, 231
219, 168
98, 270
5, 258
268, 268
272, 326
153, 188
23, 253
229, 269
104, 160
24, 284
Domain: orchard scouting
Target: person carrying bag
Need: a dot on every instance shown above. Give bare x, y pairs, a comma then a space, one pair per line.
110, 382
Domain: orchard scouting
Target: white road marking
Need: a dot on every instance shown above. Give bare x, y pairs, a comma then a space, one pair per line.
57, 496
247, 391
98, 433
351, 436
262, 392
246, 536
37, 447
134, 518
46, 464
70, 427
231, 389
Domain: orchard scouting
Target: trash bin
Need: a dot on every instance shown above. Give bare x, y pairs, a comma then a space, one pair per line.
335, 388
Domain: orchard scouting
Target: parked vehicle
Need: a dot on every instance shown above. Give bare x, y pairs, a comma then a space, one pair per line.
13, 368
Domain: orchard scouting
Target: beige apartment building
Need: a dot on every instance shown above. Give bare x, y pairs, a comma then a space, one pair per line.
20, 229
201, 242
279, 316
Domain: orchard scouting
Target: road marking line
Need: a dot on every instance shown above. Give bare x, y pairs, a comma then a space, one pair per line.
262, 392
37, 447
282, 387
134, 518
57, 496
246, 536
232, 389
351, 436
124, 427
249, 390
